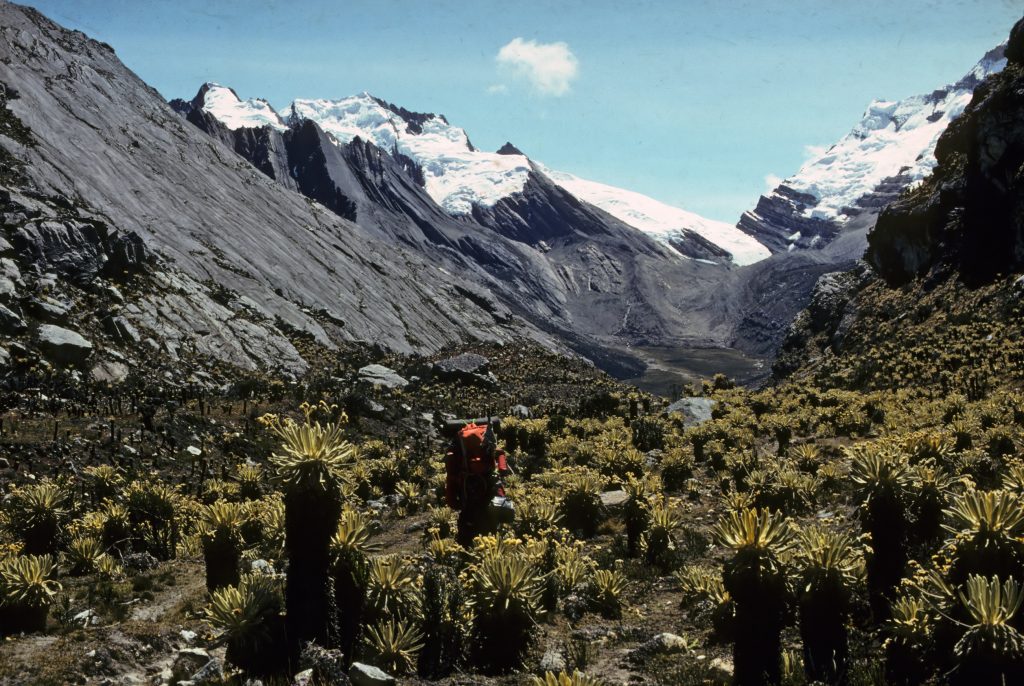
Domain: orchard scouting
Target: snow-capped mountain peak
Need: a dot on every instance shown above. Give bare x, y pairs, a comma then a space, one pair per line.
891, 138
891, 147
457, 176
224, 104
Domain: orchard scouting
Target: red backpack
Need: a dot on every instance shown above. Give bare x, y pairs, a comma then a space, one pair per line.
470, 465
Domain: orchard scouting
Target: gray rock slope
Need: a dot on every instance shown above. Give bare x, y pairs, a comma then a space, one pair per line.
106, 141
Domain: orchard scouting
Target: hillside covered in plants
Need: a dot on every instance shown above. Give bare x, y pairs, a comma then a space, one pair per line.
858, 520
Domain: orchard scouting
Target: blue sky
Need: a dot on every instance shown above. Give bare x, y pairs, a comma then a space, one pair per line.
692, 102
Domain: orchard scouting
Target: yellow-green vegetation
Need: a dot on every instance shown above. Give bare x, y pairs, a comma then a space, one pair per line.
860, 522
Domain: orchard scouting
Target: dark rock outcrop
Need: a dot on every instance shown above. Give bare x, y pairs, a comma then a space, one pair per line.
509, 149
969, 215
779, 215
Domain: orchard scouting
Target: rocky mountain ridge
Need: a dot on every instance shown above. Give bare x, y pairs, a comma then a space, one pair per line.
467, 182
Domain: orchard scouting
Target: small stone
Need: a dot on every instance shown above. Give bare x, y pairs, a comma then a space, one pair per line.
120, 329
521, 411
552, 661
367, 675
86, 618
210, 673
612, 499
261, 567
187, 636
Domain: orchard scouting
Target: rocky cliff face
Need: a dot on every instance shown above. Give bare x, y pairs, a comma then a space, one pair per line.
969, 215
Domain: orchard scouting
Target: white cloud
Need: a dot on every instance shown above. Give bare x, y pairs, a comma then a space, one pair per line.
497, 89
548, 67
771, 181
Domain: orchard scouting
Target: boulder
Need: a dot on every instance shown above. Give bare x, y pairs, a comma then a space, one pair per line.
367, 675
694, 410
72, 249
10, 322
127, 254
63, 345
379, 375
10, 279
1015, 46
110, 371
831, 293
467, 368
466, 363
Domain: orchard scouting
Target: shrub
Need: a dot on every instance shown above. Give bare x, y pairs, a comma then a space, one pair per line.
606, 589
36, 516
505, 594
883, 478
83, 555
756, 580
443, 630
310, 469
27, 589
152, 509
989, 526
249, 619
657, 544
394, 646
830, 565
220, 532
391, 591
580, 503
991, 651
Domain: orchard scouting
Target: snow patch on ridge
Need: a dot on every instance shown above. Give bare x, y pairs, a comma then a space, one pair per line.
661, 221
235, 113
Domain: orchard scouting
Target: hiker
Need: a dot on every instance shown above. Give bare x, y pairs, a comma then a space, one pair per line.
474, 469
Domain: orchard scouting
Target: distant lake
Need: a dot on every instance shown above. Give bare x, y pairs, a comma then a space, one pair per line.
670, 368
